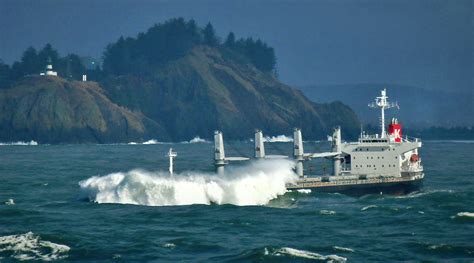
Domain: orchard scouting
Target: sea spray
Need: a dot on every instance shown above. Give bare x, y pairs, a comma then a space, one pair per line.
30, 246
254, 184
278, 138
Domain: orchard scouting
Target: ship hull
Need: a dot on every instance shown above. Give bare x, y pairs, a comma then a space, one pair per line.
362, 187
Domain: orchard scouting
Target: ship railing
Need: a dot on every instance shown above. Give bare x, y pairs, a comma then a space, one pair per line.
407, 138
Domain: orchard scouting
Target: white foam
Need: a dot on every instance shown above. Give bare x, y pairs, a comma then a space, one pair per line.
152, 141
29, 246
368, 207
308, 254
422, 193
196, 139
465, 214
254, 184
279, 138
20, 143
169, 245
345, 249
304, 191
149, 142
327, 212
10, 202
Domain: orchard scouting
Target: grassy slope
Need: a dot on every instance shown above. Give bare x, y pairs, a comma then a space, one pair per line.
51, 109
207, 90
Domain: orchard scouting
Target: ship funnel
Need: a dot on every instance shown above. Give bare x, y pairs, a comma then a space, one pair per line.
395, 130
298, 152
219, 155
259, 145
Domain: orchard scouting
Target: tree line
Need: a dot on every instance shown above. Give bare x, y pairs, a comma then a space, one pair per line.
34, 61
171, 40
140, 55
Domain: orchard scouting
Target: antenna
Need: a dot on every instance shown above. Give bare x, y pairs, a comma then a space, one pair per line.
171, 155
382, 103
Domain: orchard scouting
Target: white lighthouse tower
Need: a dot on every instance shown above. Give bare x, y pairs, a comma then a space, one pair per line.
49, 69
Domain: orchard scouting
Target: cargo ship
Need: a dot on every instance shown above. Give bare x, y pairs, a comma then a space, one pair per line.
380, 163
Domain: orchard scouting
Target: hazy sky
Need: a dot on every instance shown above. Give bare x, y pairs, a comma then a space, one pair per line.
428, 44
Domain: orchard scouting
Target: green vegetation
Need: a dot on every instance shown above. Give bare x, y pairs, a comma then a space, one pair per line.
173, 39
172, 82
33, 62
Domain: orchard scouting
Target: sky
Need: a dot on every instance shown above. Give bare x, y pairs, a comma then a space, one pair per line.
423, 43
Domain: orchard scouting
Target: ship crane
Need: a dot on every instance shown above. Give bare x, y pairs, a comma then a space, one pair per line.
220, 160
300, 156
260, 148
382, 103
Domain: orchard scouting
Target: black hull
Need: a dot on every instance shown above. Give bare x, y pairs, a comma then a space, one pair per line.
392, 188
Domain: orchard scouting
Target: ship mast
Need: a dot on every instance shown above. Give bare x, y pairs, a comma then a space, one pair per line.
171, 155
382, 103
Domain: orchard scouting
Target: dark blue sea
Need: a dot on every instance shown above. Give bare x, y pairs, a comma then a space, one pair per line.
118, 203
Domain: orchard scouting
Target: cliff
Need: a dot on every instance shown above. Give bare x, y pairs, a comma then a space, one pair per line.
50, 109
204, 90
210, 89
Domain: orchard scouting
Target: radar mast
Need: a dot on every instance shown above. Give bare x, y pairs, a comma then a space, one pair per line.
382, 103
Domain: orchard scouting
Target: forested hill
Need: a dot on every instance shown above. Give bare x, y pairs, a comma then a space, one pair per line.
173, 82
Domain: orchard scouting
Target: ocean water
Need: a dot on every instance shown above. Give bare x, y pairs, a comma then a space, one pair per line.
118, 203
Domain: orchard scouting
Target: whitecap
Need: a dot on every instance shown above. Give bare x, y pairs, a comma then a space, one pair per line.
29, 246
307, 254
346, 249
152, 141
197, 139
422, 193
368, 207
169, 245
327, 212
10, 202
20, 143
254, 184
304, 191
279, 138
465, 214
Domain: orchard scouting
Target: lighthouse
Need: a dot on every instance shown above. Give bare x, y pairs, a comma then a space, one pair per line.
49, 69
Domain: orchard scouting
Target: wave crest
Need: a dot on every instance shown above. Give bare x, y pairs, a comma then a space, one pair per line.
29, 246
253, 184
307, 254
279, 138
20, 143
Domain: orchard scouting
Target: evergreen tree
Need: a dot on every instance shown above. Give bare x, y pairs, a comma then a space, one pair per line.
48, 53
230, 40
5, 75
29, 62
210, 37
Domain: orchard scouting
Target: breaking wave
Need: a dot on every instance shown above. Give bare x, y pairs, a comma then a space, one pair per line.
10, 202
254, 184
30, 143
422, 193
465, 215
29, 246
279, 138
345, 249
304, 254
152, 141
368, 207
197, 139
